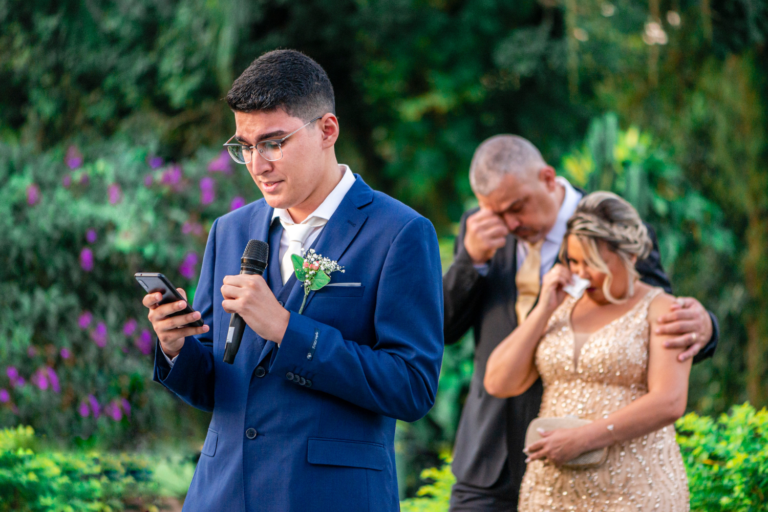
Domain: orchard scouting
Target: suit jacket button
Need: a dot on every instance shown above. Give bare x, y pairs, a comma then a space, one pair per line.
289, 375
251, 433
281, 303
303, 381
260, 371
296, 378
309, 383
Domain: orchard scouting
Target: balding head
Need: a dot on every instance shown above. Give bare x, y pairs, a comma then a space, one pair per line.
501, 155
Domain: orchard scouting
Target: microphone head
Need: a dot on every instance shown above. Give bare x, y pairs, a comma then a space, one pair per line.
258, 251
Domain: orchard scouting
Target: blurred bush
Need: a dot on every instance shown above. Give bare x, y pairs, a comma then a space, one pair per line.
77, 348
42, 481
725, 461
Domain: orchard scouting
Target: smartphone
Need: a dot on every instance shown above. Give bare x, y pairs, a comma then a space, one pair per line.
154, 282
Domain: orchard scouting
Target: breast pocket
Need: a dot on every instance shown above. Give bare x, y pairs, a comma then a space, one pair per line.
341, 290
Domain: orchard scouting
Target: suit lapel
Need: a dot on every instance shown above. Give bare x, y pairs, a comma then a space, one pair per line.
334, 239
337, 235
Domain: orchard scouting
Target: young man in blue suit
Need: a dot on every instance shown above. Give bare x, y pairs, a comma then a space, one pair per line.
304, 420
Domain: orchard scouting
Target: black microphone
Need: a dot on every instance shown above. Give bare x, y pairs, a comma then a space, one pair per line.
254, 261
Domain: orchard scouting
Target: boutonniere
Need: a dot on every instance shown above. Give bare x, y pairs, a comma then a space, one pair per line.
314, 271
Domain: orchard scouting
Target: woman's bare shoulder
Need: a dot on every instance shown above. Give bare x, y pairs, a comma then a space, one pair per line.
660, 305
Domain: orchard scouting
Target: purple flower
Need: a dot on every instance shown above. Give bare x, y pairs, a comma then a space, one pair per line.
20, 383
113, 411
130, 327
66, 180
237, 202
207, 190
95, 407
65, 354
171, 176
126, 405
4, 396
148, 180
31, 351
84, 179
40, 379
187, 267
74, 158
91, 236
99, 335
83, 409
33, 195
86, 259
155, 162
53, 379
85, 319
222, 163
192, 227
114, 193
144, 342
13, 373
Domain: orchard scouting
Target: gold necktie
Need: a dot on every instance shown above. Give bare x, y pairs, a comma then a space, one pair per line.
528, 281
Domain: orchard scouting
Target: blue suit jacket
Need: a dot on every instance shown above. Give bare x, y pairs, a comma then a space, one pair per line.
310, 425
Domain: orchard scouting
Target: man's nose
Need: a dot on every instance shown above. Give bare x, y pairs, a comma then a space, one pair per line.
511, 222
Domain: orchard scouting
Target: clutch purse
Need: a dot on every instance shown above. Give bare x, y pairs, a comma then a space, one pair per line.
589, 459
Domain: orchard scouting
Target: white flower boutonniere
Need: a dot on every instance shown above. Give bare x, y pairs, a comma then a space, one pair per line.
314, 271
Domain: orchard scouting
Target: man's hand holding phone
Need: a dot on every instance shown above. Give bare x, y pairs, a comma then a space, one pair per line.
171, 330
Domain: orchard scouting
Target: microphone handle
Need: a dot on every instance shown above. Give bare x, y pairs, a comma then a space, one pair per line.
234, 337
237, 324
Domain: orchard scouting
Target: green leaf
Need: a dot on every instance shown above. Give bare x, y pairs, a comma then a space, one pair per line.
298, 262
320, 280
298, 266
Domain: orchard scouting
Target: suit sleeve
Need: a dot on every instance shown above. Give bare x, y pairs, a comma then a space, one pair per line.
462, 288
652, 273
192, 374
396, 377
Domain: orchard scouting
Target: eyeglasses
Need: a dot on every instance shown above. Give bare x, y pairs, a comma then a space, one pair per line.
270, 150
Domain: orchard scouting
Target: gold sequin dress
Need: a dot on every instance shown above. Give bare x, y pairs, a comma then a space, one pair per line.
646, 473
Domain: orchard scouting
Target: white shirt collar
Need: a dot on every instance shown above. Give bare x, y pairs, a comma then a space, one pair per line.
570, 202
328, 207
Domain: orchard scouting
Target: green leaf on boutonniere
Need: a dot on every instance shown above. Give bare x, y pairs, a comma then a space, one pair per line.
320, 280
298, 266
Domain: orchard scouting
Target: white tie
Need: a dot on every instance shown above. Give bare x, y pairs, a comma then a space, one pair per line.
297, 235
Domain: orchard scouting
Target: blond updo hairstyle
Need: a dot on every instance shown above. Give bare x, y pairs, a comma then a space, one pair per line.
607, 218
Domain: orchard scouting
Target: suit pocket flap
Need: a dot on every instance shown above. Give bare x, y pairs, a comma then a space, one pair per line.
211, 440
353, 454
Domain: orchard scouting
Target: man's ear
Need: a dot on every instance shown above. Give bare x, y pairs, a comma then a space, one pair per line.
547, 175
329, 127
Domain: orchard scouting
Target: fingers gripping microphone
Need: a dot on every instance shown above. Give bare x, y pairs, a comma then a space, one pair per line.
254, 261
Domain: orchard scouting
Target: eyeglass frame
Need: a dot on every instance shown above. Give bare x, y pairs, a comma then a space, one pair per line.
256, 147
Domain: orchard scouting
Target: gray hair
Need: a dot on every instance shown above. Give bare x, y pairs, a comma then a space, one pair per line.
501, 155
606, 217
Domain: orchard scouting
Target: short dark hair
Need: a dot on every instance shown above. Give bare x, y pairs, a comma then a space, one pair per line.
285, 79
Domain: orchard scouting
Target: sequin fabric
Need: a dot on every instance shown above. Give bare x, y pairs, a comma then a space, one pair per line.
646, 473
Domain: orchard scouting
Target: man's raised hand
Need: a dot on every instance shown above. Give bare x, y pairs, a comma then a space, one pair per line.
691, 324
486, 233
170, 330
250, 297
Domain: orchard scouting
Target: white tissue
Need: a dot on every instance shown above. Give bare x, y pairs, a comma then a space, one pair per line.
577, 287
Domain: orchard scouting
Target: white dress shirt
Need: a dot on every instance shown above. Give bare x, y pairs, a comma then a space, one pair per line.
551, 246
326, 209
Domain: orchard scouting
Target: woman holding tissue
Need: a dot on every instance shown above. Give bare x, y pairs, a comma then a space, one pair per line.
602, 362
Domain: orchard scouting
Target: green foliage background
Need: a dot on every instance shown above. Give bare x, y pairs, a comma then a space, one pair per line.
419, 84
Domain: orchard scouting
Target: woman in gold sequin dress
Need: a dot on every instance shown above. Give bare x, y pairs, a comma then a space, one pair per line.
600, 359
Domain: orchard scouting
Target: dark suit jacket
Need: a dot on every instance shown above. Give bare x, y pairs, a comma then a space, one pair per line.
491, 428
